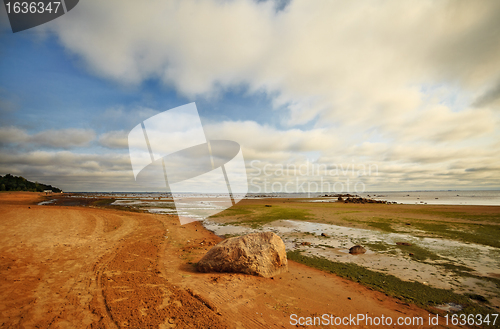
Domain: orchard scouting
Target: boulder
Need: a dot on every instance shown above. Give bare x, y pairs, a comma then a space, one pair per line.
262, 254
356, 250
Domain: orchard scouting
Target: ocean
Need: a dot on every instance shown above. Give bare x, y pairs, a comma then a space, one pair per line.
162, 202
477, 198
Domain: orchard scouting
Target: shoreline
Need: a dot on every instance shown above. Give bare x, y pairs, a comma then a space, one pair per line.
74, 266
438, 197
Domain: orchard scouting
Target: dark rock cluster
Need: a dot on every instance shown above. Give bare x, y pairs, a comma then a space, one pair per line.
359, 200
349, 198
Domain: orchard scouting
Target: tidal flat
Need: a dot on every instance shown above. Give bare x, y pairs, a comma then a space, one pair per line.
88, 261
450, 249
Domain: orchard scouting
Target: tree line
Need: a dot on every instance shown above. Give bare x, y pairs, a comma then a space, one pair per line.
18, 183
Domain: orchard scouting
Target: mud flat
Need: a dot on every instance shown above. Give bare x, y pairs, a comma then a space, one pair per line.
452, 248
76, 266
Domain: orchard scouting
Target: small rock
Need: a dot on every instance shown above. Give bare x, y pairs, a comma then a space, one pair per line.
305, 244
356, 250
325, 235
403, 243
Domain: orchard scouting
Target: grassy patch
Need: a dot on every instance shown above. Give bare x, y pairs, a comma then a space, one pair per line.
475, 233
423, 255
346, 212
233, 211
414, 292
379, 246
418, 253
383, 226
107, 203
103, 202
227, 236
326, 246
485, 217
263, 215
458, 269
380, 223
477, 297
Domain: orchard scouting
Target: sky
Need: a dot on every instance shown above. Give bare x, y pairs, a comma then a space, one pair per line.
331, 96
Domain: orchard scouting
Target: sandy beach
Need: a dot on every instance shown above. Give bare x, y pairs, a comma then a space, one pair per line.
85, 267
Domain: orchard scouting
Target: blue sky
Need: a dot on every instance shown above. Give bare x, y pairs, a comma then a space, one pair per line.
314, 83
40, 77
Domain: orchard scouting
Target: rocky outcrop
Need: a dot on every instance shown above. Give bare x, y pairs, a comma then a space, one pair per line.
349, 198
261, 254
363, 200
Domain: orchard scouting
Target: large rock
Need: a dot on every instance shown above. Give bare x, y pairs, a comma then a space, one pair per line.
261, 254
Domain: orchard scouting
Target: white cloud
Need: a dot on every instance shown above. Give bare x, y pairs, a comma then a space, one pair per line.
122, 117
411, 87
321, 57
269, 139
13, 135
439, 123
70, 171
114, 139
62, 138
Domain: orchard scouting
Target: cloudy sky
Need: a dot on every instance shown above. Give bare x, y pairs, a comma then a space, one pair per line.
389, 95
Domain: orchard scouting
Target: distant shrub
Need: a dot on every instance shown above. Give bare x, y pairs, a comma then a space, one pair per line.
18, 183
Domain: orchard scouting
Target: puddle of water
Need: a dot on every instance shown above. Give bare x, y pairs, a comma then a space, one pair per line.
323, 200
46, 202
195, 209
450, 307
483, 260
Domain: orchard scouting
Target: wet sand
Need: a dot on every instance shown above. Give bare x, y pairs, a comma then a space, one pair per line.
78, 267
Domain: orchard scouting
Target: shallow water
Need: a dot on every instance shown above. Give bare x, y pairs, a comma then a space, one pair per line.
482, 259
477, 198
46, 202
196, 209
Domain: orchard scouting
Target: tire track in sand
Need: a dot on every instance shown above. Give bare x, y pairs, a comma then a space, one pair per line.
133, 292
